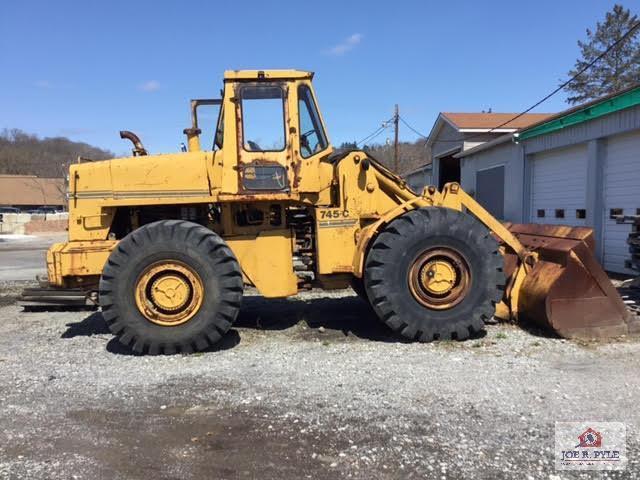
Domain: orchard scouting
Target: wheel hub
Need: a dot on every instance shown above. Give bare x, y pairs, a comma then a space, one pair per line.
439, 278
169, 293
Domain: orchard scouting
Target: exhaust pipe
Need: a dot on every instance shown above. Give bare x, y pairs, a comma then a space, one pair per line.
138, 149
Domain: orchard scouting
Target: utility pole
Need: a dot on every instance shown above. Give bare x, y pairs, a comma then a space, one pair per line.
396, 118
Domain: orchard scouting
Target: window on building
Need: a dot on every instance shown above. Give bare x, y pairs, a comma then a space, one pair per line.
263, 118
560, 213
540, 213
581, 213
614, 212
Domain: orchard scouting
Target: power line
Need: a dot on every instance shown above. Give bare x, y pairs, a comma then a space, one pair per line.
373, 134
548, 96
412, 129
587, 67
376, 132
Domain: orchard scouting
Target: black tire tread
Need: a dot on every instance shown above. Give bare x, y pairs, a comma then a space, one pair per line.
385, 297
196, 237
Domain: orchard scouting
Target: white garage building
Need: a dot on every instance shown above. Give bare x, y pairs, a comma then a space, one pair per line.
580, 167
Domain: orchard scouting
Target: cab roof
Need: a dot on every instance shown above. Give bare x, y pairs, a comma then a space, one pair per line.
267, 75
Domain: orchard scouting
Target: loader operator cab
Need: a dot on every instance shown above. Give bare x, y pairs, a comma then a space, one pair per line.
269, 130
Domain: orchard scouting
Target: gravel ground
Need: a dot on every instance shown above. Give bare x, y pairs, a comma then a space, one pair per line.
311, 387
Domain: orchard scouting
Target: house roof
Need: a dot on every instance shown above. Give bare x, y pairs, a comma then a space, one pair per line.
489, 121
31, 190
473, 122
599, 107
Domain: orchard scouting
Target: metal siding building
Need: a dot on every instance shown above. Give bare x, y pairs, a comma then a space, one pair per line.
578, 168
506, 155
453, 133
419, 178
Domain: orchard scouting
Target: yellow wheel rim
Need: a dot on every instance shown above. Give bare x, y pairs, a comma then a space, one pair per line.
439, 278
169, 293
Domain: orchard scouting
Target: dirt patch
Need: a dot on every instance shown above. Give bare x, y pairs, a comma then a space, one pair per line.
206, 441
6, 300
202, 442
316, 316
10, 291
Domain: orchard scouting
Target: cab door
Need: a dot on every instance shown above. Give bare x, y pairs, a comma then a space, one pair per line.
264, 151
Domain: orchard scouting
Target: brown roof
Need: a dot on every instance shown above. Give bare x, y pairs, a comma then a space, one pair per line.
19, 190
492, 120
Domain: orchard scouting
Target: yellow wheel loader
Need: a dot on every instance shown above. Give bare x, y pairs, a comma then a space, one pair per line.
166, 243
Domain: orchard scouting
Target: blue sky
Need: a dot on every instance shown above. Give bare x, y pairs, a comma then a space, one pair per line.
89, 69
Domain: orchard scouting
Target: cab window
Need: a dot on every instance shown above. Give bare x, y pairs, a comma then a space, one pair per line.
263, 118
312, 137
219, 137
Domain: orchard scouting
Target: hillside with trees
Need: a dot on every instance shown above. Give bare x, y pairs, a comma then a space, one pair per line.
22, 153
411, 155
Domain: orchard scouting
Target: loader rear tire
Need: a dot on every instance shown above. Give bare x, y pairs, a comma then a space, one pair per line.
434, 273
170, 286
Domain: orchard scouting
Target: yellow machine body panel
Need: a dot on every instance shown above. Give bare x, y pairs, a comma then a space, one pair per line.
78, 260
336, 239
96, 189
155, 177
266, 261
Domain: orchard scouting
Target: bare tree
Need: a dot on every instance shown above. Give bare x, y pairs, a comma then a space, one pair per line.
411, 154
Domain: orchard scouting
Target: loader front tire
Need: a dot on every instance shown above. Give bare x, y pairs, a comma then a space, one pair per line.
170, 286
434, 273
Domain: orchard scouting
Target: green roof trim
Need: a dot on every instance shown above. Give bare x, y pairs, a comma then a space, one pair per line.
597, 109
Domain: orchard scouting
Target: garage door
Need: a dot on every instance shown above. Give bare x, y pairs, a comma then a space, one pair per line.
621, 196
490, 190
559, 186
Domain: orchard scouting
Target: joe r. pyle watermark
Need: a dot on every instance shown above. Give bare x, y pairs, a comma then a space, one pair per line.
590, 445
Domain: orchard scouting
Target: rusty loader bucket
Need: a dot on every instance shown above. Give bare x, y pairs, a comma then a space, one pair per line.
566, 289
